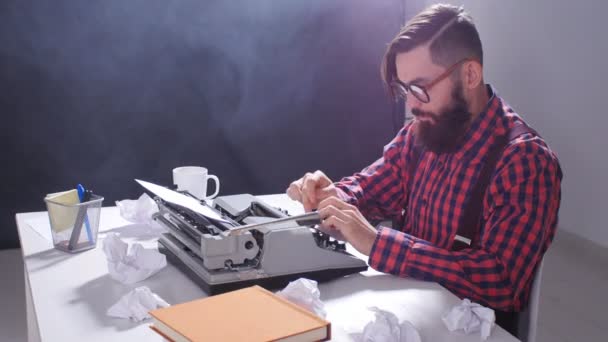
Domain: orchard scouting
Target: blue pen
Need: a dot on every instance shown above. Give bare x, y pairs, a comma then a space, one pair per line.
82, 197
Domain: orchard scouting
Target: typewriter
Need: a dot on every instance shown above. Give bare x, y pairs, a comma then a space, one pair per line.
241, 241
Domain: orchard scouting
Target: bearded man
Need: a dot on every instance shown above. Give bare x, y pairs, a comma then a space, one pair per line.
473, 192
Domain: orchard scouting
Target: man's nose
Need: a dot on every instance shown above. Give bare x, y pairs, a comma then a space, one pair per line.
411, 107
413, 101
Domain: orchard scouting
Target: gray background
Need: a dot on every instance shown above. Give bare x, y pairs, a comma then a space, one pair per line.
259, 92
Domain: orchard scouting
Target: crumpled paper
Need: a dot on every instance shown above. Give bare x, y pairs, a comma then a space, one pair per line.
139, 211
136, 304
305, 293
386, 328
129, 266
470, 317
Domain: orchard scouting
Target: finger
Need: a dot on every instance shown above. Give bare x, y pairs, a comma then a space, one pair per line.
356, 217
331, 231
334, 227
332, 211
328, 191
321, 179
336, 202
298, 182
307, 191
294, 191
313, 182
333, 223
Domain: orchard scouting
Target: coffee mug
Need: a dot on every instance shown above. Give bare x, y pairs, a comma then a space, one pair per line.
194, 180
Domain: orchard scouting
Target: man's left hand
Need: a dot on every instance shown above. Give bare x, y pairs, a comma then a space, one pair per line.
342, 219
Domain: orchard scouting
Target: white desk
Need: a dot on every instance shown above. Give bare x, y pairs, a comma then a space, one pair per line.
68, 294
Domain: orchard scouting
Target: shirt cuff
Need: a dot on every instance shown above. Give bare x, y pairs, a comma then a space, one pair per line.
389, 251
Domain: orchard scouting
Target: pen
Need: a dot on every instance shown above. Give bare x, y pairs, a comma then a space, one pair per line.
84, 196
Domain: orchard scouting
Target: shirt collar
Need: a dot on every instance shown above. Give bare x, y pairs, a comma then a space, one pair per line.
486, 124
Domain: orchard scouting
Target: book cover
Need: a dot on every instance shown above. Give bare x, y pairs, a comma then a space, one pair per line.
249, 314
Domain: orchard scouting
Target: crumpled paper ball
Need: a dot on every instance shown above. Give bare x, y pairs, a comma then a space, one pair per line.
305, 293
132, 265
470, 317
138, 211
136, 304
386, 328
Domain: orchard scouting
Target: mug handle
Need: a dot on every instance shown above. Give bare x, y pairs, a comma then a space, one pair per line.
217, 186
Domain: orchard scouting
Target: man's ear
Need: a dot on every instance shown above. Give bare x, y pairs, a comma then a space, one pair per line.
471, 74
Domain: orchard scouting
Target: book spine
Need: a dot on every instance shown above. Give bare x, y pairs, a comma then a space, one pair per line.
161, 334
328, 332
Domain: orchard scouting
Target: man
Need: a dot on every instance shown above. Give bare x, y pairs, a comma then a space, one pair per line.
473, 193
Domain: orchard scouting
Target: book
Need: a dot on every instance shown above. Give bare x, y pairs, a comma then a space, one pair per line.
249, 314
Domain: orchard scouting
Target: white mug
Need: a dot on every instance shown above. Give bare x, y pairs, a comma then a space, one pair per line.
194, 180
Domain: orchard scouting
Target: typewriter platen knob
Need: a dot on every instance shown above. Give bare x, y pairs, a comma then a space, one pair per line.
228, 264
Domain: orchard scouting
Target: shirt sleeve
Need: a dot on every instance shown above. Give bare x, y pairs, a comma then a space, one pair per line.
379, 189
520, 217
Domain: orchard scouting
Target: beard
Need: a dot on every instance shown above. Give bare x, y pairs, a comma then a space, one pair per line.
448, 128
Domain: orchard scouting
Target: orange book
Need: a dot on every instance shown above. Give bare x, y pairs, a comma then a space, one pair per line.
249, 314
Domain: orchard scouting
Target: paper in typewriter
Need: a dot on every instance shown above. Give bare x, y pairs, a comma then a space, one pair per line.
176, 198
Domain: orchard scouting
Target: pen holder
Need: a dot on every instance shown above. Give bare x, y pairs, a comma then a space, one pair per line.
74, 225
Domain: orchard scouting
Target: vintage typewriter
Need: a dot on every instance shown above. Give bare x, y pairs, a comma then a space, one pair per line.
240, 241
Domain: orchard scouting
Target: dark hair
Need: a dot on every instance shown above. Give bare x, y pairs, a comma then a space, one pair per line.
449, 30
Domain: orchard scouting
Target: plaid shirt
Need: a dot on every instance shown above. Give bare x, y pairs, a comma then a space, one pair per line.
519, 210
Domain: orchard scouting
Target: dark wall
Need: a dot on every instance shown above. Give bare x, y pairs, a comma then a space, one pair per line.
101, 92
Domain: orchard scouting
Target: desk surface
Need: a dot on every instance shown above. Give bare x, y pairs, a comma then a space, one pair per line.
69, 294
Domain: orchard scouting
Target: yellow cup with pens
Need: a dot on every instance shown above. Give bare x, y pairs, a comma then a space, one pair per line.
74, 217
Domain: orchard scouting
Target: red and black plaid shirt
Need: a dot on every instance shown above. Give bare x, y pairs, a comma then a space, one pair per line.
519, 210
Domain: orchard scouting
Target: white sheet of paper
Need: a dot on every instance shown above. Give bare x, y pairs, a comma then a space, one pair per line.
181, 200
42, 226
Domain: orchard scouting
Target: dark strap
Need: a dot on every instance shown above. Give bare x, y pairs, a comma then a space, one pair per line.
520, 129
470, 224
472, 219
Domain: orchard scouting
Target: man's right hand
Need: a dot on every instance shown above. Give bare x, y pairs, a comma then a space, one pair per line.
311, 189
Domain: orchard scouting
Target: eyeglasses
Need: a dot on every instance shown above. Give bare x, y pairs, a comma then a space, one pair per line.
400, 89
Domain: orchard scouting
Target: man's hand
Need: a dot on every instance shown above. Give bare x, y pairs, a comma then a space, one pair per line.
311, 189
344, 220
